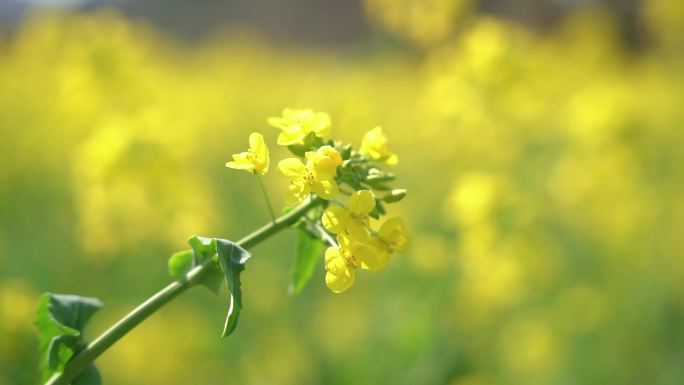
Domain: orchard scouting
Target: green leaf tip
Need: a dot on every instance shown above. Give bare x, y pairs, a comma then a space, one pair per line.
226, 259
60, 319
232, 258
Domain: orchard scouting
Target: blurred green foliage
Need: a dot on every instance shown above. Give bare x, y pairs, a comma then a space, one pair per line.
544, 177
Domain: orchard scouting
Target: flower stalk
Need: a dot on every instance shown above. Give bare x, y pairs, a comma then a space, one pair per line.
168, 293
268, 201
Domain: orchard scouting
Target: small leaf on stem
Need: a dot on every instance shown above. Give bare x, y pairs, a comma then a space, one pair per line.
232, 258
60, 319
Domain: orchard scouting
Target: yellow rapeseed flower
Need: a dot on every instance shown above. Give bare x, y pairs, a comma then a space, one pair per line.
341, 263
374, 146
256, 159
391, 237
354, 219
297, 124
317, 175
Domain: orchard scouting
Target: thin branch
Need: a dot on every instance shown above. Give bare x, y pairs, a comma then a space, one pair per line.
86, 356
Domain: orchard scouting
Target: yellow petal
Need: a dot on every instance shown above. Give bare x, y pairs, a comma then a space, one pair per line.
324, 162
358, 232
296, 191
296, 115
289, 113
326, 189
276, 122
344, 241
260, 149
361, 202
331, 255
335, 219
241, 161
288, 138
256, 140
291, 167
320, 124
394, 233
375, 146
372, 141
339, 283
372, 258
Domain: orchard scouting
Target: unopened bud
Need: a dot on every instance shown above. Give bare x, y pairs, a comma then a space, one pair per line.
394, 196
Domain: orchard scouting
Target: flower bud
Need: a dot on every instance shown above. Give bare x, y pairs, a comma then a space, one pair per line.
394, 196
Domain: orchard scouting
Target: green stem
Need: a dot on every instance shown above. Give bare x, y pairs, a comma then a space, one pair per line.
321, 233
268, 201
165, 295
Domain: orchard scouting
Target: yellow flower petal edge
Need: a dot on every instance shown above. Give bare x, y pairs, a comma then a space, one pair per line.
392, 236
325, 161
375, 146
342, 261
256, 159
296, 124
316, 176
352, 220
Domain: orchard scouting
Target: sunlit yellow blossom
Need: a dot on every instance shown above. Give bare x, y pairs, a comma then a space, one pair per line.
326, 160
297, 124
341, 263
256, 159
374, 146
317, 175
391, 237
354, 219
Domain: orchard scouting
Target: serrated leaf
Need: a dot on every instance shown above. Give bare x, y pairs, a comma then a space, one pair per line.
309, 250
60, 319
89, 376
232, 258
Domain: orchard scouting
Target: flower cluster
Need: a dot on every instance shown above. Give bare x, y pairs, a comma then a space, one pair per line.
331, 170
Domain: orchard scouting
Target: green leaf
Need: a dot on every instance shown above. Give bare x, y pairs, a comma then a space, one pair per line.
310, 143
226, 260
297, 149
232, 258
180, 263
203, 248
212, 278
89, 376
60, 319
309, 250
346, 152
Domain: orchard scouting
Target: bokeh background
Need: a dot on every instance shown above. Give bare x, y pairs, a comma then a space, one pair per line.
540, 142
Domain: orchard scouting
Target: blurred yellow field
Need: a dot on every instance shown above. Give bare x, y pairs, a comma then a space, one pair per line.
545, 176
